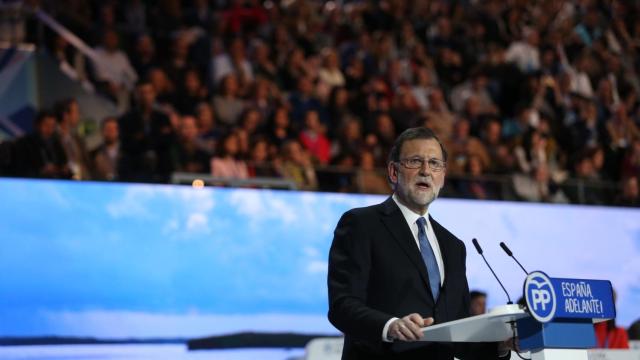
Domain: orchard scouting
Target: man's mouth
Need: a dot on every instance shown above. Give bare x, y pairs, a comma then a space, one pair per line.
423, 185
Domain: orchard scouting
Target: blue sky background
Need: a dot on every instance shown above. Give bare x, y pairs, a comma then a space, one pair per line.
122, 260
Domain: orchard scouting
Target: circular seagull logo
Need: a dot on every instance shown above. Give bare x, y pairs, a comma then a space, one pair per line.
540, 296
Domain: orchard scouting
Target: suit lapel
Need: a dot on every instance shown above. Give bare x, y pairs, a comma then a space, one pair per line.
397, 226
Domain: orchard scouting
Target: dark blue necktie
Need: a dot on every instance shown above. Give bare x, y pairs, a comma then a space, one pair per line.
429, 258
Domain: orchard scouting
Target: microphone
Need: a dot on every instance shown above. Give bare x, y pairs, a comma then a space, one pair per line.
479, 249
506, 249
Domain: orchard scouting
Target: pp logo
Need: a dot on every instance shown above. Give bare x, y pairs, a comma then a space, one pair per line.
540, 296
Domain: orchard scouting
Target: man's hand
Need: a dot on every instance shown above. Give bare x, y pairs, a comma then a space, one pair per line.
408, 328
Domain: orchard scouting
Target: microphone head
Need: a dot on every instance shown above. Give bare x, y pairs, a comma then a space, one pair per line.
506, 249
477, 246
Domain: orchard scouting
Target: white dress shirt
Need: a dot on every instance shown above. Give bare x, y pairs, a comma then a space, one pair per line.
412, 218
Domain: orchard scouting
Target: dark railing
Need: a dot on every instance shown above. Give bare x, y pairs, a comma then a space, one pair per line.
487, 186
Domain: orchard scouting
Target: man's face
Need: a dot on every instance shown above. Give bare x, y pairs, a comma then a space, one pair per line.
110, 132
47, 127
111, 41
417, 188
147, 95
189, 130
74, 114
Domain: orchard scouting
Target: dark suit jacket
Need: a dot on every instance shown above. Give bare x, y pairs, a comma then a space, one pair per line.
376, 272
145, 146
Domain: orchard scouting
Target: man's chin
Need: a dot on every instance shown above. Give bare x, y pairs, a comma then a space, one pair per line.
425, 199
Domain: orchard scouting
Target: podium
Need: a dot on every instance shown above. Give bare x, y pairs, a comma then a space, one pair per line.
496, 325
557, 323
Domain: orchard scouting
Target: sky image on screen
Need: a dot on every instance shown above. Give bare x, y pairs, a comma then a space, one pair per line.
153, 261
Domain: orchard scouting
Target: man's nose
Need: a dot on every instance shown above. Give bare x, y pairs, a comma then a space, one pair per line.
425, 169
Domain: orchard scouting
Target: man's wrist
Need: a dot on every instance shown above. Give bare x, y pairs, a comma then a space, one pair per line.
385, 330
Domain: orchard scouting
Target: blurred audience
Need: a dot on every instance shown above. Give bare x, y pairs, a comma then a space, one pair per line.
550, 106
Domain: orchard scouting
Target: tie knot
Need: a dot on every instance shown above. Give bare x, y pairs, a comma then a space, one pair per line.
422, 221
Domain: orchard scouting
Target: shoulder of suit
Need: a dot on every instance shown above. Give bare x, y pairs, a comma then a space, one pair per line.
365, 210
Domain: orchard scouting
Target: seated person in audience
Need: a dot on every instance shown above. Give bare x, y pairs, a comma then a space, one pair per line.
226, 163
462, 144
304, 99
234, 61
630, 195
313, 139
68, 116
279, 129
146, 135
631, 160
208, 132
251, 123
538, 186
186, 154
260, 164
106, 158
610, 336
474, 186
370, 180
163, 87
330, 73
621, 128
40, 154
228, 104
584, 175
477, 302
380, 140
190, 93
112, 68
296, 165
501, 158
348, 137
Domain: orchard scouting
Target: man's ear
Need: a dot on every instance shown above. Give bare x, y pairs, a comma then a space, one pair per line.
392, 172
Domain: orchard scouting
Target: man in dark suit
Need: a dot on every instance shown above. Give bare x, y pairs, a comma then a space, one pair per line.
40, 154
146, 137
393, 269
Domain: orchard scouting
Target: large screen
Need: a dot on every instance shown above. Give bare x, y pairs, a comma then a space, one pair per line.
115, 261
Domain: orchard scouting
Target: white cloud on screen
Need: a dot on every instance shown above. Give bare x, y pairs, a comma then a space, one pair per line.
317, 267
133, 203
190, 208
261, 206
198, 223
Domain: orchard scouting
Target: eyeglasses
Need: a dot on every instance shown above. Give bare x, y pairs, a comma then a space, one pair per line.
418, 163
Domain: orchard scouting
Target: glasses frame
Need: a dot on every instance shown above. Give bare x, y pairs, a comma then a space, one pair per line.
435, 164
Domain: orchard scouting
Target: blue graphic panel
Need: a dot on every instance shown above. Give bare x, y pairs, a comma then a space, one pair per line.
122, 260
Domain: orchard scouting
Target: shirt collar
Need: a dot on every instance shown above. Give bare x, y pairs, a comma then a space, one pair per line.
409, 214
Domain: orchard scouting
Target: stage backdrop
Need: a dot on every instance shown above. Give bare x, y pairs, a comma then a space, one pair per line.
116, 261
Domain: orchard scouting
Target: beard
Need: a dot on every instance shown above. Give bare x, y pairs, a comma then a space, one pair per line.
416, 197
425, 197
